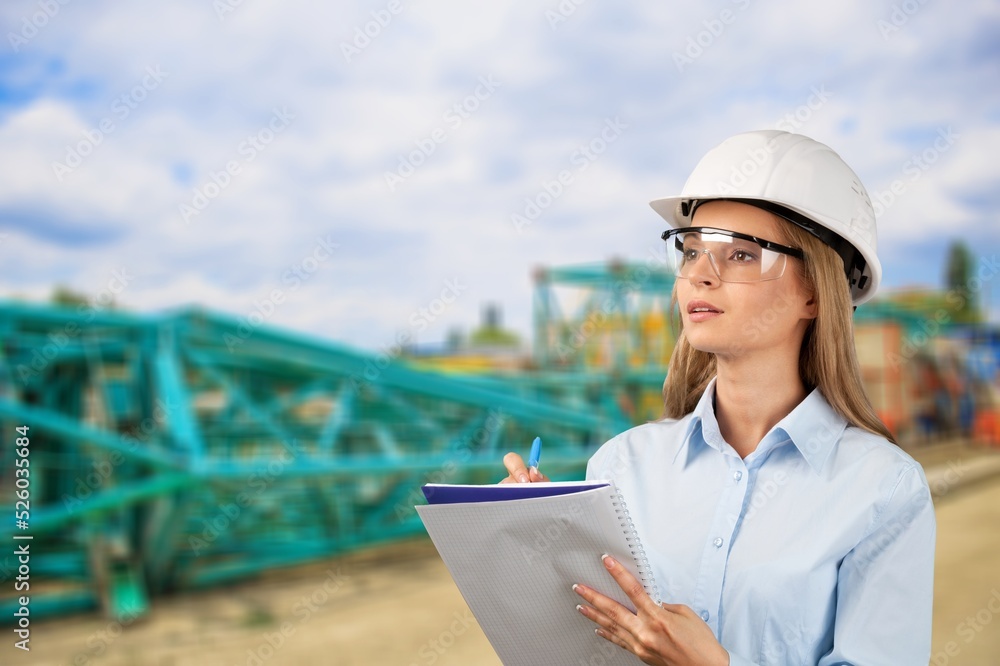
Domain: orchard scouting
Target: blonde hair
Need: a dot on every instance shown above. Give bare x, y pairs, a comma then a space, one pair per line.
825, 361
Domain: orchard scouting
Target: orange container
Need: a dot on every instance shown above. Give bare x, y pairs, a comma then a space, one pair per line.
987, 427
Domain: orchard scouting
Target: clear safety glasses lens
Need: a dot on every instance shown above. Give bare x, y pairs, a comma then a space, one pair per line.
729, 256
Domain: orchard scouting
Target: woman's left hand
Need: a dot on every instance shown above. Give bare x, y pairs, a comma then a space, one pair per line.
671, 634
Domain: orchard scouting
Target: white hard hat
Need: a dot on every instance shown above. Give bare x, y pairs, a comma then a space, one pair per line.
797, 178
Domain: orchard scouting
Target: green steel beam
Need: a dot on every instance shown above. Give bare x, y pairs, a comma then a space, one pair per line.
112, 499
398, 375
48, 421
374, 464
169, 381
341, 412
238, 396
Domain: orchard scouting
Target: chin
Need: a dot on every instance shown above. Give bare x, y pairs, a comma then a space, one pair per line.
703, 343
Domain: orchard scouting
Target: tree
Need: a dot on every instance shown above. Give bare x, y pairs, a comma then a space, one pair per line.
958, 281
492, 333
68, 298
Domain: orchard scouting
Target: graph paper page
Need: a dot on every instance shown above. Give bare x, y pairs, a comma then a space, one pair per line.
515, 563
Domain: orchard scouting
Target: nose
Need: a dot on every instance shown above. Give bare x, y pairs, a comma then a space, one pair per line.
703, 270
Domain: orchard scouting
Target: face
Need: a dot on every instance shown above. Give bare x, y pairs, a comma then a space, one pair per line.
733, 319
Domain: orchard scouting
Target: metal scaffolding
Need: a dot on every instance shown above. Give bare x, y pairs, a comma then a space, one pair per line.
175, 451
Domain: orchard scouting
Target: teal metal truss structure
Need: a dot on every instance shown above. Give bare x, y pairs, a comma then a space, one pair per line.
184, 449
612, 303
175, 451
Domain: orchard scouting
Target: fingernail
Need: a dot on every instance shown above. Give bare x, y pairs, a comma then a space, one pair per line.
523, 478
609, 561
575, 586
535, 470
580, 609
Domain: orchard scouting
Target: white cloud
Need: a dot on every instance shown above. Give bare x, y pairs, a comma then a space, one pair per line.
325, 173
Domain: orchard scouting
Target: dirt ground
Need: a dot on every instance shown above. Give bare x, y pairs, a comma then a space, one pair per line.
967, 579
398, 606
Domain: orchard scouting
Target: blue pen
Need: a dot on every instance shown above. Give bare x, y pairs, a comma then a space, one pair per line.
536, 453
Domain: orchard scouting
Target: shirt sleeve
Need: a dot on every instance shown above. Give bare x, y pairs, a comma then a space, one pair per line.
885, 583
596, 467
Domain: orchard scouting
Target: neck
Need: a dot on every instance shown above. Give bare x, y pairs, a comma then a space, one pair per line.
752, 394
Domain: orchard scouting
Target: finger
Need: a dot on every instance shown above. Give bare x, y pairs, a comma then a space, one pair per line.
609, 627
680, 609
605, 611
535, 476
630, 585
515, 467
613, 638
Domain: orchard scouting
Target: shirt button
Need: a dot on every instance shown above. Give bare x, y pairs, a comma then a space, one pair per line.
737, 475
704, 615
718, 542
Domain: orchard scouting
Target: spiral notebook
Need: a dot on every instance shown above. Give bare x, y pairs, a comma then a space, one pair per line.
515, 550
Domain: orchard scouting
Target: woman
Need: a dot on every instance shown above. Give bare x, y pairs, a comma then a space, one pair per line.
782, 523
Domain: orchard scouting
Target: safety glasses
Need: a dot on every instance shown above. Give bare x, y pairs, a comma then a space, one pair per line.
734, 257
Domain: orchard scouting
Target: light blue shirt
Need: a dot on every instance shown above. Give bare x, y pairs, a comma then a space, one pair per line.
817, 548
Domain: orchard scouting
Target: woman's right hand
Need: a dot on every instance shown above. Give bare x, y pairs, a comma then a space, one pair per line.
517, 472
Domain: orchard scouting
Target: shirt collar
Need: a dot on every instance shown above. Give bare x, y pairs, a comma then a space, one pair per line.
813, 427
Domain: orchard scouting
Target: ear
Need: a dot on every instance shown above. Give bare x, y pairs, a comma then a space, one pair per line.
811, 307
808, 301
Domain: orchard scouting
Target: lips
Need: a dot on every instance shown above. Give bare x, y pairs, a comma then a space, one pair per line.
702, 307
702, 311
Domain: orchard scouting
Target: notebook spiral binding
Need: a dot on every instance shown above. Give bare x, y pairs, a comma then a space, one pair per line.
635, 547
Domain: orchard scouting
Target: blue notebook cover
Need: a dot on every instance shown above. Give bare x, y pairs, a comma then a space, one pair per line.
442, 493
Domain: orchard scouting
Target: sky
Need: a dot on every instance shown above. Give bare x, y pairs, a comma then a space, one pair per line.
357, 171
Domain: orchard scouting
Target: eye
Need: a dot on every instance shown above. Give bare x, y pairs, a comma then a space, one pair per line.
743, 256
